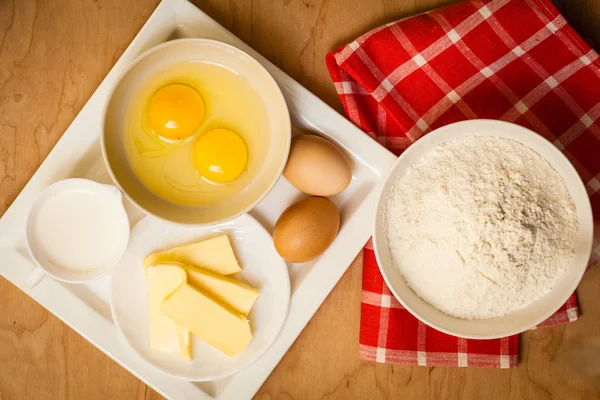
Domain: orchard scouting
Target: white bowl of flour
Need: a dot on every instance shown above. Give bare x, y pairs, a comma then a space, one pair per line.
483, 229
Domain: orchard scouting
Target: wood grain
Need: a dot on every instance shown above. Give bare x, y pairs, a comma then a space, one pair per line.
53, 55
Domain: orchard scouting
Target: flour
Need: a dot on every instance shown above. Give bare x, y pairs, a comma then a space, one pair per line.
480, 226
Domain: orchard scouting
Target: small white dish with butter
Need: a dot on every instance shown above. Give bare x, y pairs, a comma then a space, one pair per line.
200, 303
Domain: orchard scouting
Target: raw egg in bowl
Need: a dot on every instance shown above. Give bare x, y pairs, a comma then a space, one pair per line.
196, 132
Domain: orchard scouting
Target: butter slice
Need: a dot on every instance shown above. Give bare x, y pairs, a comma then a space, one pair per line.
166, 336
228, 291
214, 254
218, 326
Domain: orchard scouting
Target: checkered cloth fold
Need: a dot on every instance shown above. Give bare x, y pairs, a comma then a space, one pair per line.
514, 60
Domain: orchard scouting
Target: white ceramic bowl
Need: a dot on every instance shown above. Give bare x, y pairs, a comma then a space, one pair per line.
261, 267
526, 317
173, 53
119, 223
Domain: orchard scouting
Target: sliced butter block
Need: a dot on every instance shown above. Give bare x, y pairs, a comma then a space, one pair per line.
204, 317
228, 291
214, 254
166, 336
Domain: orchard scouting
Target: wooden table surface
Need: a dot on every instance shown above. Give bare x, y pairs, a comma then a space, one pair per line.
53, 55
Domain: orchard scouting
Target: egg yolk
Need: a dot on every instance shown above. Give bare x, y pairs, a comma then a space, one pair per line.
220, 155
175, 112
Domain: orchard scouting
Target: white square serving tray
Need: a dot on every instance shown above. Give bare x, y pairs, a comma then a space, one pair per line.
85, 307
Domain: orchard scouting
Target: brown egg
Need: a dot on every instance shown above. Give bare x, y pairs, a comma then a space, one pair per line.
306, 229
316, 166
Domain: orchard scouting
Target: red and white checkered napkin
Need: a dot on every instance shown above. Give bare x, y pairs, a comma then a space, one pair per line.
515, 60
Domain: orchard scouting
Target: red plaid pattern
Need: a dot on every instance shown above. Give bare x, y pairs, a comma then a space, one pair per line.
514, 60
